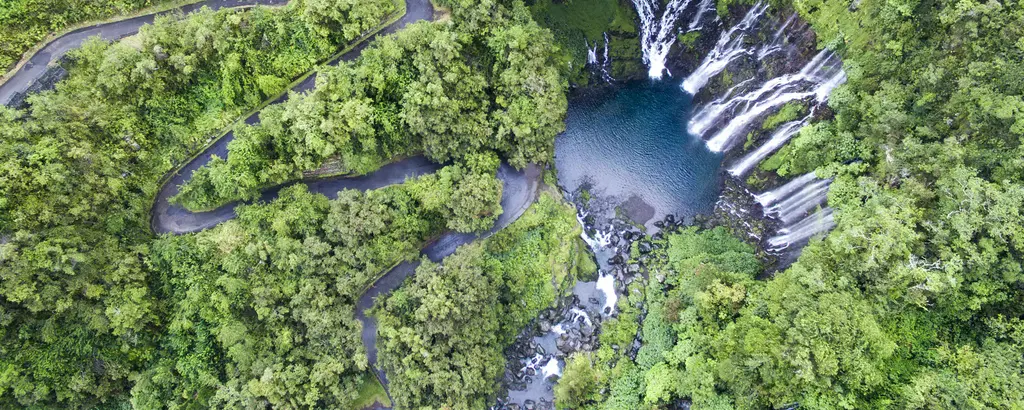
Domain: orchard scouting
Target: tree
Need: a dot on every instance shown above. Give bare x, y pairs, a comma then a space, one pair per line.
579, 383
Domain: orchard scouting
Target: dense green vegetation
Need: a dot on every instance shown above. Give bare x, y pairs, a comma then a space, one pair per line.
79, 171
261, 308
92, 308
24, 23
486, 82
576, 24
916, 299
444, 332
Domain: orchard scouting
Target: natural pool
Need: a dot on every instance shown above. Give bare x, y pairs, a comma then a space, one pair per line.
631, 141
629, 148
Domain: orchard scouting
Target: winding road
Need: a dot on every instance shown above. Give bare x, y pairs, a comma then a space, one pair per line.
169, 218
39, 63
520, 187
520, 190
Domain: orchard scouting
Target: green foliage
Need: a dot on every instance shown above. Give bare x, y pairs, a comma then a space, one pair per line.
475, 203
580, 22
914, 299
689, 40
261, 308
443, 333
579, 383
23, 23
78, 303
448, 90
789, 112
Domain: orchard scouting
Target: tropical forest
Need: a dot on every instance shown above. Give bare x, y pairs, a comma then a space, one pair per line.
512, 204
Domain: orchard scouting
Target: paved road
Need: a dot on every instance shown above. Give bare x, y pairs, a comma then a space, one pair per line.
520, 190
38, 64
520, 186
166, 217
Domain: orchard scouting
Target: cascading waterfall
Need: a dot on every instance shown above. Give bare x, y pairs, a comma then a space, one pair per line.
713, 113
781, 135
790, 204
605, 64
816, 79
770, 197
702, 8
729, 47
658, 34
591, 52
796, 206
777, 40
813, 224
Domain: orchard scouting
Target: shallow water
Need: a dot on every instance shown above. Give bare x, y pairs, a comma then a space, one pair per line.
633, 141
630, 142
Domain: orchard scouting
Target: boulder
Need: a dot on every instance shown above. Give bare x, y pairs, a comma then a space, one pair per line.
645, 247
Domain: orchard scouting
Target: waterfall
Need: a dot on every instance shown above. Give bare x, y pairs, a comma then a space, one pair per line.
796, 206
591, 52
604, 66
712, 113
790, 204
816, 79
781, 135
551, 368
658, 35
776, 43
702, 8
730, 46
768, 198
814, 224
606, 284
607, 64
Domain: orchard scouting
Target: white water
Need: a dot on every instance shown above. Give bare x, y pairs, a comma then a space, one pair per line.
702, 8
606, 63
578, 313
814, 224
777, 39
606, 284
600, 239
729, 47
791, 202
551, 368
797, 205
768, 198
591, 52
707, 116
816, 79
781, 135
658, 34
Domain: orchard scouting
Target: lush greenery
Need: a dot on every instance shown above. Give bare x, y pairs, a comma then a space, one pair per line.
486, 81
916, 298
260, 310
23, 23
579, 24
442, 335
92, 308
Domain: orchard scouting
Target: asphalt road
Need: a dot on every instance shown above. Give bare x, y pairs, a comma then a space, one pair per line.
53, 51
520, 187
520, 190
170, 218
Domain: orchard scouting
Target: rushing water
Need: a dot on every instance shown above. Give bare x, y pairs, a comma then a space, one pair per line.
632, 142
640, 151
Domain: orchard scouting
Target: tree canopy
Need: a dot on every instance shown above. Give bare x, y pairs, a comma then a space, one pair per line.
485, 81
